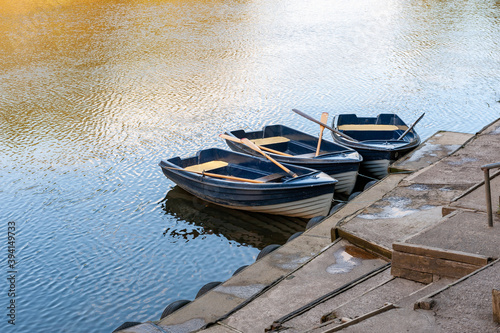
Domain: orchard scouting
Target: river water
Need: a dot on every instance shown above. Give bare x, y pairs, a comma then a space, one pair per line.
93, 94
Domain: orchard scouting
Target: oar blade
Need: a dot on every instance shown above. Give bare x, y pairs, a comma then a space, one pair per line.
234, 139
256, 148
324, 120
252, 145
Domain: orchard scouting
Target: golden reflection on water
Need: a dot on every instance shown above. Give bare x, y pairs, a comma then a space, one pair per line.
19, 7
93, 94
102, 79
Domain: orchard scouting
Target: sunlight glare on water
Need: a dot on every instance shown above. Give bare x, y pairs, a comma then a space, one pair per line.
93, 94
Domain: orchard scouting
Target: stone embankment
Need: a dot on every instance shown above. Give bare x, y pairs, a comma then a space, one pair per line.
413, 253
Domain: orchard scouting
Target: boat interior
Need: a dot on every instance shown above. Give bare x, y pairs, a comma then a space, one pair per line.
384, 127
289, 141
218, 161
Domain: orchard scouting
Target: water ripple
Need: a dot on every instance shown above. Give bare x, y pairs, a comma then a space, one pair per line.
94, 94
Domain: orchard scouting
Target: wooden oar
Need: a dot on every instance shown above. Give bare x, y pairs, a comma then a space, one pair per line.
325, 125
215, 175
324, 119
410, 128
232, 138
256, 148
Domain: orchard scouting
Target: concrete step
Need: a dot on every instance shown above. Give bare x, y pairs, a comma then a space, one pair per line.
431, 150
393, 294
463, 305
339, 265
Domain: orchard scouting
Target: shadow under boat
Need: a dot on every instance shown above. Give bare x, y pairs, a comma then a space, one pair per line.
247, 228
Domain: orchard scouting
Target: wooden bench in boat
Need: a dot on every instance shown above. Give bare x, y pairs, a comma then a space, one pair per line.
271, 177
371, 127
207, 166
270, 140
212, 165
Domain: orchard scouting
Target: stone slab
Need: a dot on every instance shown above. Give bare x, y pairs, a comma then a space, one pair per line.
467, 306
422, 195
217, 328
312, 318
402, 293
476, 199
393, 219
432, 150
462, 168
373, 194
397, 320
390, 292
491, 129
462, 231
334, 268
246, 284
463, 307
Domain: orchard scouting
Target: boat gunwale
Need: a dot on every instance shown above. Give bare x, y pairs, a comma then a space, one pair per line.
412, 142
325, 158
302, 181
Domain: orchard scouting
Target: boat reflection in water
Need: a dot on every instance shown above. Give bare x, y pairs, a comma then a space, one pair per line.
246, 228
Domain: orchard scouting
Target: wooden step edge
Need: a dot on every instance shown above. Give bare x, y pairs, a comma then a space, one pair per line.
434, 252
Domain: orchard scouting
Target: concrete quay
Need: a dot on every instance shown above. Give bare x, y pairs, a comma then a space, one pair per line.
413, 253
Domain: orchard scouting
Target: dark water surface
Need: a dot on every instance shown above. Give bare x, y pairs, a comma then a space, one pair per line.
93, 94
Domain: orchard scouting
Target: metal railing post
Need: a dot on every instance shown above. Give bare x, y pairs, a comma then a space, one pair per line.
486, 168
488, 196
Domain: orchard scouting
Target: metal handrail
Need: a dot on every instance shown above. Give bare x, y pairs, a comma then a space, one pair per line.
486, 169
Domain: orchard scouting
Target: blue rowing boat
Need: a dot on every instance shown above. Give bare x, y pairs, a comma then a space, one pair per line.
245, 182
380, 140
295, 147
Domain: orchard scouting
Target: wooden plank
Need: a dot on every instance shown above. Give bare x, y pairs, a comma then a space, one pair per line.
356, 320
496, 305
364, 244
271, 177
207, 166
370, 127
270, 140
411, 274
424, 304
431, 265
447, 211
463, 257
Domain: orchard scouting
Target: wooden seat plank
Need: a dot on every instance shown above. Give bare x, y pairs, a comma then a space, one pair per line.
371, 127
270, 140
271, 177
207, 166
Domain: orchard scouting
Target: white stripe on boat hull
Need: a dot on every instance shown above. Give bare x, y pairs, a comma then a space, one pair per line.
308, 208
347, 181
377, 168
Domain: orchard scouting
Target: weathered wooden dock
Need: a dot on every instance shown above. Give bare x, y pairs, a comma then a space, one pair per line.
412, 253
